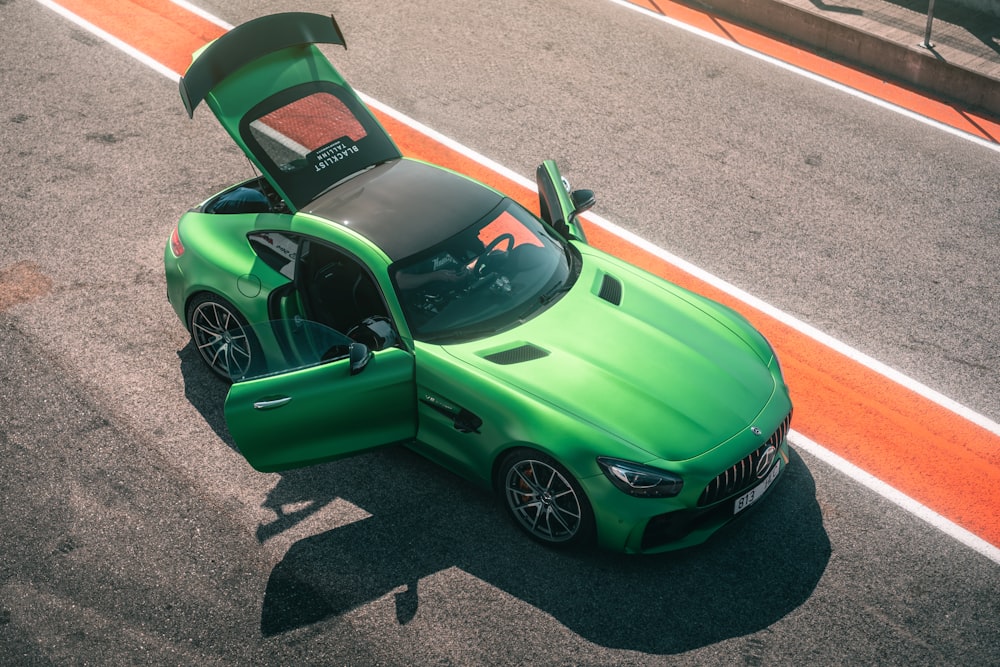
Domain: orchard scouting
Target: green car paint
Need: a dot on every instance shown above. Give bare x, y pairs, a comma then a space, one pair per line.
380, 300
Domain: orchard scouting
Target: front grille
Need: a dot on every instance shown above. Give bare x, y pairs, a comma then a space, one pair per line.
742, 474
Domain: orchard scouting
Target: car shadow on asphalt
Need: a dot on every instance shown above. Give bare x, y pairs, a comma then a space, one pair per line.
424, 520
205, 391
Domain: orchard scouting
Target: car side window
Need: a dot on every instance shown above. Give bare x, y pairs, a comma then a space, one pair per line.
277, 250
298, 344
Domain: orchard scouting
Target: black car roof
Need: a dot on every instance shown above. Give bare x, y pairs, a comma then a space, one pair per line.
405, 206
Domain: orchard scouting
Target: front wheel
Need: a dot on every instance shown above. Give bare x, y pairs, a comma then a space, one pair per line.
221, 335
545, 500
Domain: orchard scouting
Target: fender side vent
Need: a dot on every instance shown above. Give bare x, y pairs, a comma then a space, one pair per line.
611, 290
516, 355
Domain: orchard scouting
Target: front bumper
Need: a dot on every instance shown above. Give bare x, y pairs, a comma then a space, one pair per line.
673, 530
647, 526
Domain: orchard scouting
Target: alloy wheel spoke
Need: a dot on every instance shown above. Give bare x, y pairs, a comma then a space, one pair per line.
543, 500
557, 513
526, 500
207, 331
534, 520
530, 477
217, 351
220, 339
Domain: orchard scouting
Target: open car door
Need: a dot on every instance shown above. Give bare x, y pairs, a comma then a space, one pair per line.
557, 202
286, 106
315, 395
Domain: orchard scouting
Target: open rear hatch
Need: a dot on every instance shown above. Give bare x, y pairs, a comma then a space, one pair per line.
286, 106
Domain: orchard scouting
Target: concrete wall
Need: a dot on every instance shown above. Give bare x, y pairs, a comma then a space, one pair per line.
911, 65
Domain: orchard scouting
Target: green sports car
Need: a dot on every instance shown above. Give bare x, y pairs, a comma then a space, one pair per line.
357, 298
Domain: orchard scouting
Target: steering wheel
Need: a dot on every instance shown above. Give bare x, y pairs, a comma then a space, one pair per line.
479, 266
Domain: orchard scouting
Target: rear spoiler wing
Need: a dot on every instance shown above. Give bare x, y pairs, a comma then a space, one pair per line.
248, 42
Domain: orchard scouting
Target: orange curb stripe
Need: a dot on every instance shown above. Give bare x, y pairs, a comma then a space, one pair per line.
916, 446
165, 32
912, 444
972, 123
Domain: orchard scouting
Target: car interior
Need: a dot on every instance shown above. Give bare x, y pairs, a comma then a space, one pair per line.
252, 196
338, 292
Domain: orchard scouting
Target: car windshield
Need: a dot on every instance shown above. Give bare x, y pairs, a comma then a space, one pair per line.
487, 278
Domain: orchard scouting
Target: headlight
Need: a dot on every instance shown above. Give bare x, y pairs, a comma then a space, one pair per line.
640, 480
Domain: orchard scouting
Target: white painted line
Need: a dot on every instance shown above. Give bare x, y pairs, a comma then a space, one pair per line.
300, 151
714, 281
449, 143
810, 75
892, 495
817, 450
198, 11
112, 40
803, 328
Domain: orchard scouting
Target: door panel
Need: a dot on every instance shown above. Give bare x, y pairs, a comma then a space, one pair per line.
304, 406
555, 202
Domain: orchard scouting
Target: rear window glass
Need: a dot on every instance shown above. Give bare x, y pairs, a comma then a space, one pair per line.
318, 124
312, 136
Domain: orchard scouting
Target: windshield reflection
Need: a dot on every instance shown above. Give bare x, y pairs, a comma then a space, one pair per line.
485, 279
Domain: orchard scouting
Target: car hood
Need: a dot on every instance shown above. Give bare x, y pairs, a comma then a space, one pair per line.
646, 361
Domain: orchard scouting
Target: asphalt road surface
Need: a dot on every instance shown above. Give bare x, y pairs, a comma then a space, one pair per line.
132, 532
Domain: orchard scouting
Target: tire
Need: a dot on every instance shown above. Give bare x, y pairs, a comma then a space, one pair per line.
222, 336
545, 500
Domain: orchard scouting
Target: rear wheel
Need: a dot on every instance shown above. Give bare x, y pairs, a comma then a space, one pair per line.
545, 500
221, 335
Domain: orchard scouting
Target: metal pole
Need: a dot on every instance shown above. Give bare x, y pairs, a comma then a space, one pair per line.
927, 33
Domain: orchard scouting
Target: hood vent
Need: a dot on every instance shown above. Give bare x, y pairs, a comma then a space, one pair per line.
516, 355
611, 290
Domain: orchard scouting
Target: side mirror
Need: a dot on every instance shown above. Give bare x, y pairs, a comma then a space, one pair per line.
360, 356
583, 200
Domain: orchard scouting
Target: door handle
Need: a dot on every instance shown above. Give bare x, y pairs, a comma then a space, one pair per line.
271, 403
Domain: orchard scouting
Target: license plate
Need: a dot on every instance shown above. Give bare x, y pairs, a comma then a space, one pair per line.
756, 492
